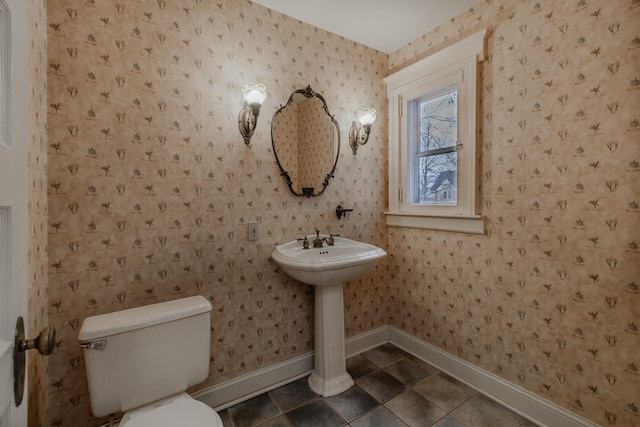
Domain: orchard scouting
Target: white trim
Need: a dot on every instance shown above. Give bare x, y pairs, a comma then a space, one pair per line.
240, 389
527, 404
473, 224
366, 341
6, 369
15, 39
237, 390
6, 345
5, 75
472, 45
6, 315
459, 60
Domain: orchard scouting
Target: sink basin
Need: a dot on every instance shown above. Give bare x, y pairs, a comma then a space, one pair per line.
328, 268
344, 261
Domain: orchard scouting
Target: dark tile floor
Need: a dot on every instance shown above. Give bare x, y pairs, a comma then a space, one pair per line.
392, 389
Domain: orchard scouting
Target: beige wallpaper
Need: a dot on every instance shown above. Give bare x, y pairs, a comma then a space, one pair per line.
150, 189
549, 298
150, 186
37, 398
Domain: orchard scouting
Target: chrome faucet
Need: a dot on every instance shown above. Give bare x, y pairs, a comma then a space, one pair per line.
317, 242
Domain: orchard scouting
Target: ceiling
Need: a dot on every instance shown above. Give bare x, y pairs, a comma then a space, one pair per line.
385, 25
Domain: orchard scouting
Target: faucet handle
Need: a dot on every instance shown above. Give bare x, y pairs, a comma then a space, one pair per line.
305, 242
330, 240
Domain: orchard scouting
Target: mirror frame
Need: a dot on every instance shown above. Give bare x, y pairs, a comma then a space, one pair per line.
306, 191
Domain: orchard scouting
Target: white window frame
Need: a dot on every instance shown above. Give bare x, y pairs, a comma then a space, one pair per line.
455, 65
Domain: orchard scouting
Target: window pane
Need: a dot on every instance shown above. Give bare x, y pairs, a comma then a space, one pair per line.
437, 179
438, 122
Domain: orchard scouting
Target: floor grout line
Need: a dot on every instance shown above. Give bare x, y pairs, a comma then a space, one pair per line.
384, 351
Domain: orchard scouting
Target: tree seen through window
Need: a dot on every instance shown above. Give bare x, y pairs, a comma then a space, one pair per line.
436, 167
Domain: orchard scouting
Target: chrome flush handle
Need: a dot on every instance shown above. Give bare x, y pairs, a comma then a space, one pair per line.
94, 345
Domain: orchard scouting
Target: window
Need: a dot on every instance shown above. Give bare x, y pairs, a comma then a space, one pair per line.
432, 140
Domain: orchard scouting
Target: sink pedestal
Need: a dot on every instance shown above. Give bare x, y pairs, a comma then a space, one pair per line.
327, 268
329, 376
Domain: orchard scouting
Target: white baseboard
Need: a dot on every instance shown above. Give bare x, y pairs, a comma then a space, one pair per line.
523, 402
367, 340
516, 398
237, 390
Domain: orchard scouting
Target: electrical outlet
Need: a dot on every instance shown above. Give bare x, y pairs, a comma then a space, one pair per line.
254, 231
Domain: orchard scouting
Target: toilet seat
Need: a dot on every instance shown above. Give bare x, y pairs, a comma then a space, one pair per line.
178, 410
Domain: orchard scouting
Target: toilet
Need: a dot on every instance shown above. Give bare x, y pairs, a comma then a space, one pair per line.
141, 361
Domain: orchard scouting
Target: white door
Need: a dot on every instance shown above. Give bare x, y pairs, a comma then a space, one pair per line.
14, 225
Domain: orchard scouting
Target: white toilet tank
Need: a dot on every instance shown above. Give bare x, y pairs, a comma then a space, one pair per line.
137, 356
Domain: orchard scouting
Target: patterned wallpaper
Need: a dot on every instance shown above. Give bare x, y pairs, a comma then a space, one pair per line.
150, 186
150, 189
37, 258
549, 299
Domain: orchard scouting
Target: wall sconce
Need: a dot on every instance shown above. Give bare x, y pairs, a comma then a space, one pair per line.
254, 95
366, 117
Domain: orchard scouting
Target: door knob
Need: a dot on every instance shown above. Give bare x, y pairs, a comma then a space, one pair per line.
44, 342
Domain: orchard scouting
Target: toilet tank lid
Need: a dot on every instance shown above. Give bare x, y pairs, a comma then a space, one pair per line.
117, 322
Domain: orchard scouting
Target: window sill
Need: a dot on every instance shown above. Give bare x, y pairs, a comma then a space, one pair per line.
472, 224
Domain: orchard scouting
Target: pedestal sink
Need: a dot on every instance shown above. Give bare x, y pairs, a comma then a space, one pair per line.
328, 268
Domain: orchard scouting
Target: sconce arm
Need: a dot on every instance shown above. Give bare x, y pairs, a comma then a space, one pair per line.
358, 136
247, 120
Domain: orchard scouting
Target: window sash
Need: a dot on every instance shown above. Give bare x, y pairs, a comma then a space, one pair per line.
419, 182
450, 82
417, 189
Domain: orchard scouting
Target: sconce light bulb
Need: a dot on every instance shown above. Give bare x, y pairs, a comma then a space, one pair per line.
360, 136
366, 116
254, 93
